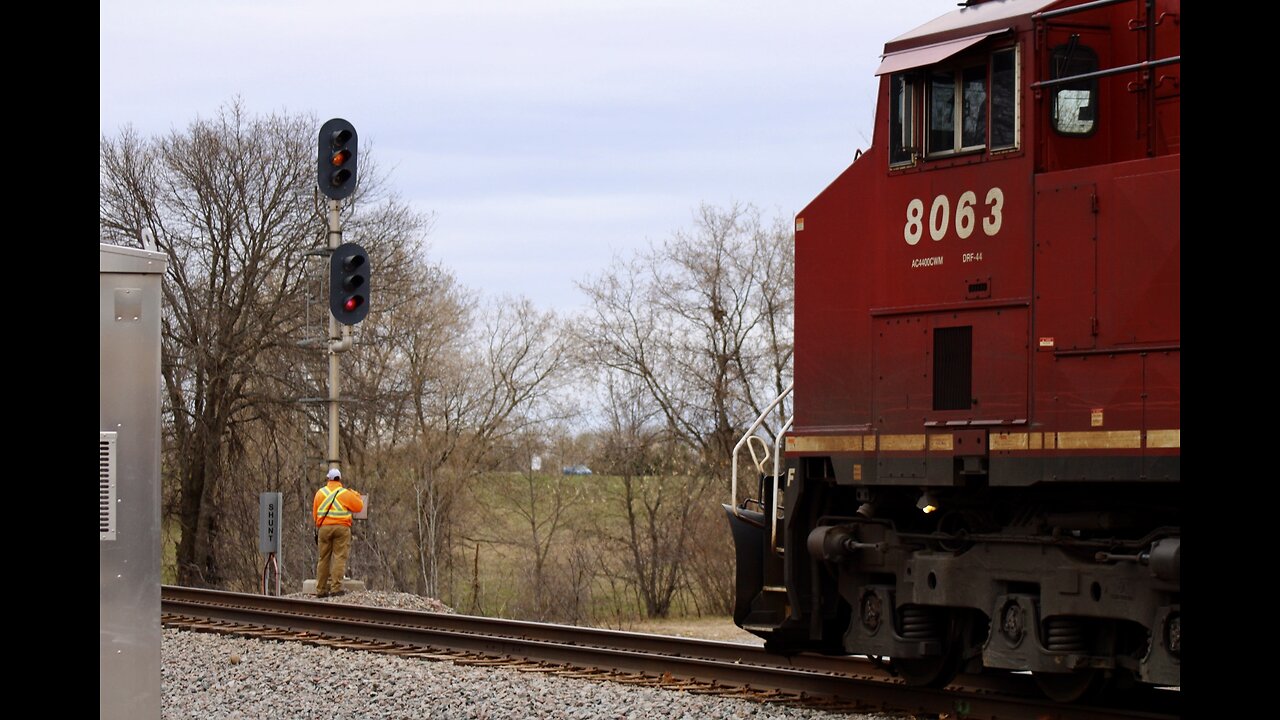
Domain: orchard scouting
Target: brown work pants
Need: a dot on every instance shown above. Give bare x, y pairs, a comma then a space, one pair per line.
335, 545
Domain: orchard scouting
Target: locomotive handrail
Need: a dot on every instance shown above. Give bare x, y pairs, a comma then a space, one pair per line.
777, 445
777, 470
1109, 71
1074, 9
733, 496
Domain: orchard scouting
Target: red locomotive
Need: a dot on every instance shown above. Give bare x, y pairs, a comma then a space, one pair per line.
982, 471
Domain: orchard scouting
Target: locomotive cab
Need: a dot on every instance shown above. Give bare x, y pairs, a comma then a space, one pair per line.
982, 471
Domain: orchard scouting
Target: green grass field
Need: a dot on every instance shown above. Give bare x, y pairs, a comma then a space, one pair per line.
592, 511
493, 564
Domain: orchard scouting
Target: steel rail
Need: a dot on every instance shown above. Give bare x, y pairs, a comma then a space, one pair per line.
719, 666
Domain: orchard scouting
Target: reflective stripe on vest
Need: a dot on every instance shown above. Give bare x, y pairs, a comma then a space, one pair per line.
331, 505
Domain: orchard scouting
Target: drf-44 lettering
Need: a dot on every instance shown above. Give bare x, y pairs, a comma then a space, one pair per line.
940, 216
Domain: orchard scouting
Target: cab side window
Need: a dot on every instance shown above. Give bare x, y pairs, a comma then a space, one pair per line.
902, 114
957, 110
1004, 99
1074, 105
959, 106
942, 112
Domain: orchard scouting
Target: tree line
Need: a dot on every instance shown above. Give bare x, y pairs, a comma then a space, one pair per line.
448, 393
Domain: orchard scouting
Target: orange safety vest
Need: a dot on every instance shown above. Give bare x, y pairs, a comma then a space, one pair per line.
334, 504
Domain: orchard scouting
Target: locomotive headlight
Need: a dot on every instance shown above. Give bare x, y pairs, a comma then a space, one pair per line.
927, 502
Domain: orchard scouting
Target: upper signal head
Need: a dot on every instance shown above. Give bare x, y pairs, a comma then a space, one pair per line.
336, 159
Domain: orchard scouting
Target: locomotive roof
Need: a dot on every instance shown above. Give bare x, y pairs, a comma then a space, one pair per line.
981, 18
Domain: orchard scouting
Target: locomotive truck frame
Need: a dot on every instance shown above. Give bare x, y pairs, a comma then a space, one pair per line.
982, 470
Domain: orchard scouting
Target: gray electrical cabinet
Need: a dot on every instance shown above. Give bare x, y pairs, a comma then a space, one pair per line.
129, 482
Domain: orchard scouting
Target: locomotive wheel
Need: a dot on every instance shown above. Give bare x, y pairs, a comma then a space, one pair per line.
780, 647
935, 671
930, 672
1071, 687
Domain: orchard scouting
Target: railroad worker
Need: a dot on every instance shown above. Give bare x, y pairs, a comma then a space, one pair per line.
332, 509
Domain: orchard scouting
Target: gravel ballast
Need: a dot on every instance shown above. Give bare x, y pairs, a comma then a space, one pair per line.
205, 675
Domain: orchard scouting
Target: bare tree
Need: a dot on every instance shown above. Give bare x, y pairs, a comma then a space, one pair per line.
654, 500
703, 320
473, 386
441, 389
701, 326
541, 504
232, 203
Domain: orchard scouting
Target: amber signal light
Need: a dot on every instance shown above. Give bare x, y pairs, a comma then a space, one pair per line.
336, 159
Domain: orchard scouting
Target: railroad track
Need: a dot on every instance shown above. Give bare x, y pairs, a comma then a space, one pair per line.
730, 669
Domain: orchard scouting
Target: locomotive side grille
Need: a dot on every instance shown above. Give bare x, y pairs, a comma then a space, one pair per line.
953, 368
106, 486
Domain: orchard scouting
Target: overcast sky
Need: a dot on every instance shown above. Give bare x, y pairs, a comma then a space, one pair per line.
547, 136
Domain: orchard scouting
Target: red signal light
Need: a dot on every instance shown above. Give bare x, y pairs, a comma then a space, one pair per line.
349, 281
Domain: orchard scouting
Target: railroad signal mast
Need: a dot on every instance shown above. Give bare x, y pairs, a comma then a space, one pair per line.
338, 151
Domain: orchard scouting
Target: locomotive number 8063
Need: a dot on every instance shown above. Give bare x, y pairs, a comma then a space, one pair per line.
982, 470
